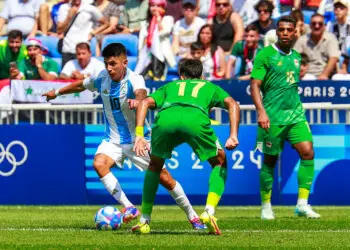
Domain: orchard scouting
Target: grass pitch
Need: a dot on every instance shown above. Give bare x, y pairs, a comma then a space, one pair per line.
72, 227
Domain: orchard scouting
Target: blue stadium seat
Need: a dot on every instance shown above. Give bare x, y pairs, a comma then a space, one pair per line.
59, 61
93, 43
51, 43
132, 62
307, 15
3, 37
129, 41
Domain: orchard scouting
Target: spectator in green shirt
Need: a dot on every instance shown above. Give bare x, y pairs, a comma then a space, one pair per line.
245, 51
11, 51
36, 66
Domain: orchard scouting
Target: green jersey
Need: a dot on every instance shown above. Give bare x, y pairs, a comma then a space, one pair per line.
279, 74
7, 56
30, 71
199, 94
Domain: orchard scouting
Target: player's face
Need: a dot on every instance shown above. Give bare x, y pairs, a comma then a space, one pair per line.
317, 26
116, 67
83, 57
33, 51
251, 38
15, 44
285, 33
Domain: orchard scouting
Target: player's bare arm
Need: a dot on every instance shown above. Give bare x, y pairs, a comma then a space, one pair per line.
234, 115
140, 94
74, 87
263, 119
141, 145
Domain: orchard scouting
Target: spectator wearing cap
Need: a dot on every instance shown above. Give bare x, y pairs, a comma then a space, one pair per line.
12, 51
134, 13
154, 40
264, 8
321, 47
36, 66
21, 15
186, 30
341, 26
82, 67
228, 25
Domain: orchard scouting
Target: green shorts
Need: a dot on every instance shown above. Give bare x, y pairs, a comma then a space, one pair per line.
177, 125
272, 141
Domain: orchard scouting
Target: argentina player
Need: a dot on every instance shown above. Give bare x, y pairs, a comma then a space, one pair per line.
121, 89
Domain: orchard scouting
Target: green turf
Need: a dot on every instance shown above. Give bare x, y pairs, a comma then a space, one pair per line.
68, 227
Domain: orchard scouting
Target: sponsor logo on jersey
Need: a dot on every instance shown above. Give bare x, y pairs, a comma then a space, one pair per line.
279, 63
105, 92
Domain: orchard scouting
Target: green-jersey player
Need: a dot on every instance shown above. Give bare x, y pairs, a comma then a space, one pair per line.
281, 116
183, 118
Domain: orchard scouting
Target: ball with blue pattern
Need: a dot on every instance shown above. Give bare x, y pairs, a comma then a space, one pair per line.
108, 218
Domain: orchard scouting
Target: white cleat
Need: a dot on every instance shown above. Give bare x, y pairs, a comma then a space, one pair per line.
306, 211
266, 212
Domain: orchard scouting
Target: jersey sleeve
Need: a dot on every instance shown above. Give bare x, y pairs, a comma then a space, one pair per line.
52, 68
219, 97
94, 83
137, 82
159, 96
260, 67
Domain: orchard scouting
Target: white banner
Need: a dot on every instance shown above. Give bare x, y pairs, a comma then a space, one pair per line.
31, 91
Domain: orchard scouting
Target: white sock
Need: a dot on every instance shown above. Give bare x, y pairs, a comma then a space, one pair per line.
210, 209
302, 201
182, 201
113, 187
266, 205
145, 218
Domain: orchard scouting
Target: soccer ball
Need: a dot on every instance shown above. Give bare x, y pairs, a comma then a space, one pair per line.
108, 218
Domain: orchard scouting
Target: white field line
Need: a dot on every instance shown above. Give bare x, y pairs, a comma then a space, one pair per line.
178, 231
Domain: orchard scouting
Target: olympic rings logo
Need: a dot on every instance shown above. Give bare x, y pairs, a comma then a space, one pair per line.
11, 158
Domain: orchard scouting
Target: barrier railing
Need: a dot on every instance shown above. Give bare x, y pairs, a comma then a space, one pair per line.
317, 113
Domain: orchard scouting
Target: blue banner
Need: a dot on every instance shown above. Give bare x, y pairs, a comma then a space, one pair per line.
42, 164
332, 154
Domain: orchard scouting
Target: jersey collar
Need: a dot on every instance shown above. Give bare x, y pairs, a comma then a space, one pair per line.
276, 48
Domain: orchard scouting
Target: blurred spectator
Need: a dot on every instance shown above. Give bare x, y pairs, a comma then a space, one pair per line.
270, 38
173, 8
206, 10
135, 12
321, 47
48, 19
196, 51
288, 5
341, 26
12, 51
249, 14
214, 56
21, 15
155, 53
78, 18
186, 30
228, 25
82, 67
265, 21
36, 66
304, 66
244, 51
301, 28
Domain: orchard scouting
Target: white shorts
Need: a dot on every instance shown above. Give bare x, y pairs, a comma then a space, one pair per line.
119, 152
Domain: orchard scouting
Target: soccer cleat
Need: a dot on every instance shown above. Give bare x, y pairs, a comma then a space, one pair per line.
130, 213
266, 212
302, 210
142, 228
210, 222
197, 224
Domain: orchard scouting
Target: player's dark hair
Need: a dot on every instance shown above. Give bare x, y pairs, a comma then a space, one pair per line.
13, 34
251, 27
304, 59
114, 49
264, 3
83, 45
286, 19
196, 46
190, 68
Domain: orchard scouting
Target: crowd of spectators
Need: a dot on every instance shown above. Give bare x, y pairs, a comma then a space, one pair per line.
225, 35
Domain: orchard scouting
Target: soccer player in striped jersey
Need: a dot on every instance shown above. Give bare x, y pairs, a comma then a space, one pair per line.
121, 89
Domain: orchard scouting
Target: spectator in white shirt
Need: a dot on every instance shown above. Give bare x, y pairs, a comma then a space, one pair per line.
186, 29
82, 67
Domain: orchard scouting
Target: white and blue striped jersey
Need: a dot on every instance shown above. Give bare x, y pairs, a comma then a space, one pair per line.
120, 120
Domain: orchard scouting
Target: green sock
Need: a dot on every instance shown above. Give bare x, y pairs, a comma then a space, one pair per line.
306, 173
217, 182
266, 181
150, 187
